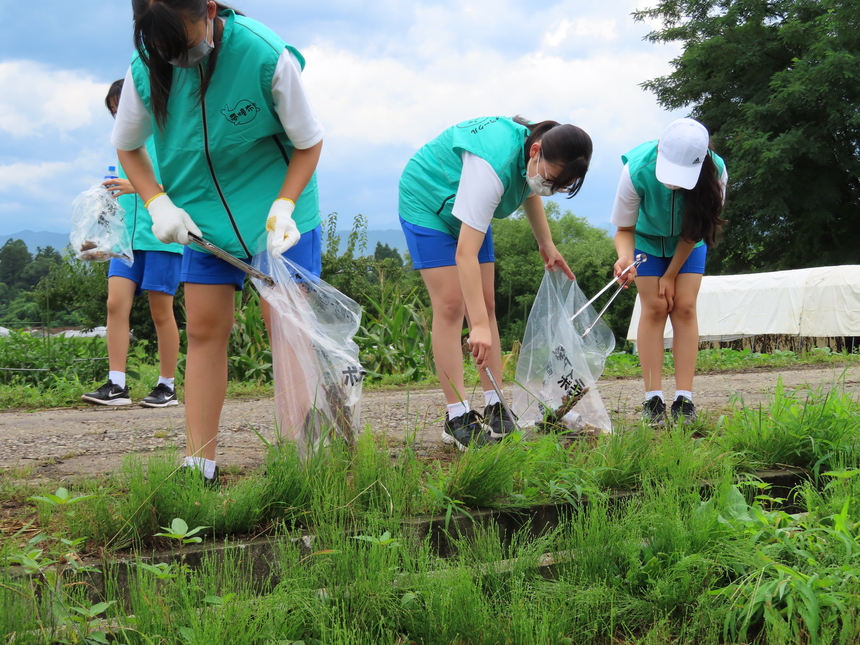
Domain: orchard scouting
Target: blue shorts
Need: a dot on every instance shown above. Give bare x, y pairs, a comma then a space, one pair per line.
151, 271
205, 268
655, 266
430, 248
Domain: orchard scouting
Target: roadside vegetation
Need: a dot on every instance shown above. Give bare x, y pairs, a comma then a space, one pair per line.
732, 562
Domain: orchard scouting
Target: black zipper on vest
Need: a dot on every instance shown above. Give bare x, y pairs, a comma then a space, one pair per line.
444, 203
212, 171
134, 225
672, 230
282, 149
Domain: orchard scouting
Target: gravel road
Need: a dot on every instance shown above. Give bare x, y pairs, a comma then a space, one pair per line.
91, 440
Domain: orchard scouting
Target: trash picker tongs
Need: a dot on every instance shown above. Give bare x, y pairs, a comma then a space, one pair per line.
501, 397
236, 262
639, 260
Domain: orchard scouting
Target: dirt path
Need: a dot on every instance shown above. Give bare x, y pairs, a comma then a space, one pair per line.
93, 440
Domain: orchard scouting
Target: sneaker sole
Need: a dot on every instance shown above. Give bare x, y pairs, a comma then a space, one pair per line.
655, 424
147, 404
496, 435
117, 401
449, 440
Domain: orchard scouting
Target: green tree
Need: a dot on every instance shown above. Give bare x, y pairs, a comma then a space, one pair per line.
778, 85
385, 252
40, 266
347, 272
73, 291
14, 258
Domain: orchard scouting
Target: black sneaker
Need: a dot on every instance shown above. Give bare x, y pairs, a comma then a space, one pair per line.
683, 410
108, 394
465, 431
654, 412
160, 397
497, 421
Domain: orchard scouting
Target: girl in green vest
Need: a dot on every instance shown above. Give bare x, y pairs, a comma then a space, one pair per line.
668, 208
238, 144
450, 192
155, 270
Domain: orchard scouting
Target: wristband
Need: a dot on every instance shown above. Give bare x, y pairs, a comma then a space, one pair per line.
286, 199
152, 199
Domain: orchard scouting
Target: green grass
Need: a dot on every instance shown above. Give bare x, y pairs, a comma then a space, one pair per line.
65, 389
710, 361
667, 566
814, 430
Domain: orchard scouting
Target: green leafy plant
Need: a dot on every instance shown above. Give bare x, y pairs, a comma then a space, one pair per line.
178, 530
394, 338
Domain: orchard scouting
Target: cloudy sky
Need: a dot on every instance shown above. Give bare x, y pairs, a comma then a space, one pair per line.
384, 76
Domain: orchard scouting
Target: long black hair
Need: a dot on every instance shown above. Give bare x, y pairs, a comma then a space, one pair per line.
564, 145
703, 205
160, 36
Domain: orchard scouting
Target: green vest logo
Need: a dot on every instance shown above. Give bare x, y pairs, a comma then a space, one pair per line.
243, 113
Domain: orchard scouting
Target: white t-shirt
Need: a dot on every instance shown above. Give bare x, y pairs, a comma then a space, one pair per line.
133, 125
479, 194
625, 210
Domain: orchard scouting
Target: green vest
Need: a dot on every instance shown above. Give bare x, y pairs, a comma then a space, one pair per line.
224, 160
137, 219
430, 180
661, 210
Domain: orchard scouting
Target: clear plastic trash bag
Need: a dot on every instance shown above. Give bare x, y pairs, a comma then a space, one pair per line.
318, 377
98, 232
557, 372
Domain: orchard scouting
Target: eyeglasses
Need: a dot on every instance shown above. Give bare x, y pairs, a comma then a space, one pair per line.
548, 183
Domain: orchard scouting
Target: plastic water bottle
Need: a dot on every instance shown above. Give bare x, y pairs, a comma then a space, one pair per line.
111, 173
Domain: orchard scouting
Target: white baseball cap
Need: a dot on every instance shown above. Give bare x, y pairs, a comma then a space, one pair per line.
681, 152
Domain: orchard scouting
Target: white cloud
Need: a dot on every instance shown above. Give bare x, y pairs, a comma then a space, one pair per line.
38, 100
32, 176
597, 29
382, 101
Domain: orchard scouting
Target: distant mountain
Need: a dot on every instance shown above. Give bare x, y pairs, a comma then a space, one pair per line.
33, 240
393, 237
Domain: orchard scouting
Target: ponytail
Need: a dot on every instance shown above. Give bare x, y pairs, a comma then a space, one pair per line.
563, 145
703, 205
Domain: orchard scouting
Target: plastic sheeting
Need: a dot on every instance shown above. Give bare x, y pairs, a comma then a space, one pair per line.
557, 363
818, 302
318, 378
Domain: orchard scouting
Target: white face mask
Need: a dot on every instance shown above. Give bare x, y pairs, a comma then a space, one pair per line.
538, 185
197, 53
672, 187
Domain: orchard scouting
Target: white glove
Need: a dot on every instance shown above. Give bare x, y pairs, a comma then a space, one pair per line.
170, 223
283, 233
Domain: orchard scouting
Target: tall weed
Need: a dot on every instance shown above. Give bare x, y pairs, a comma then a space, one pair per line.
809, 429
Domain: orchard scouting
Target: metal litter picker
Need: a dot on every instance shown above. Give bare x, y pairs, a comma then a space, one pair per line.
231, 259
501, 397
639, 260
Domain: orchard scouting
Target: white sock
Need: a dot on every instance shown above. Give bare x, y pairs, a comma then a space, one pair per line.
653, 393
117, 378
206, 466
491, 398
457, 410
167, 381
685, 393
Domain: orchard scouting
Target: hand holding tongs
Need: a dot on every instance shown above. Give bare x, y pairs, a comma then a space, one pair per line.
639, 260
236, 262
